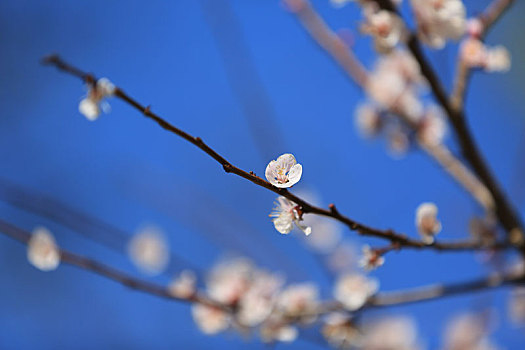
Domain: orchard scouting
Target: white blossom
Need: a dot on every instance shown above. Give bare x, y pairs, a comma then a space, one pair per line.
298, 298
432, 128
367, 120
210, 319
353, 290
468, 331
284, 172
340, 332
184, 285
277, 329
386, 28
516, 305
94, 102
229, 280
257, 303
498, 59
475, 27
426, 221
285, 214
42, 250
475, 54
371, 259
326, 234
439, 20
392, 333
398, 142
148, 250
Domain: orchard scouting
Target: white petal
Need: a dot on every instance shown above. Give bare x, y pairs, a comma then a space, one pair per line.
89, 109
286, 161
284, 223
271, 173
294, 175
105, 87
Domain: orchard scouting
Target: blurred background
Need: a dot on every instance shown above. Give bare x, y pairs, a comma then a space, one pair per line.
245, 77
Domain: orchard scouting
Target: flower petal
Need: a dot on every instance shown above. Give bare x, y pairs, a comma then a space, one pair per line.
294, 175
89, 109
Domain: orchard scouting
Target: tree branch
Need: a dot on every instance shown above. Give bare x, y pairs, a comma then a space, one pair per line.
488, 18
109, 272
353, 225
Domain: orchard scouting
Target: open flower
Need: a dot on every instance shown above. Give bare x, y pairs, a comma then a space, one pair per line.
439, 20
285, 214
42, 251
284, 172
298, 298
148, 250
393, 332
475, 54
371, 258
385, 27
94, 102
426, 221
184, 285
340, 332
210, 319
353, 290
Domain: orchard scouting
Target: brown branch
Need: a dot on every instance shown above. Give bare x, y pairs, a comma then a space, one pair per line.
342, 54
505, 213
488, 18
353, 225
109, 272
432, 292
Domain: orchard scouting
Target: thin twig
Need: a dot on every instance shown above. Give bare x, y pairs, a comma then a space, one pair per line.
353, 225
109, 272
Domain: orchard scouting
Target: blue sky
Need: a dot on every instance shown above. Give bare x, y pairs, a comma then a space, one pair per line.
127, 171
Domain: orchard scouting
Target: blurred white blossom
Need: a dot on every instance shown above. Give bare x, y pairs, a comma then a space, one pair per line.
439, 20
468, 331
210, 319
426, 221
42, 250
353, 290
368, 119
285, 214
184, 285
370, 259
386, 28
94, 102
432, 128
340, 332
149, 251
298, 298
475, 54
284, 172
392, 333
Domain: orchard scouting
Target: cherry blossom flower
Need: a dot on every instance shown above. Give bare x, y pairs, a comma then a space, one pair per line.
392, 333
340, 332
475, 27
148, 250
368, 120
468, 331
298, 298
327, 234
94, 102
229, 280
386, 28
498, 59
257, 303
184, 285
284, 172
516, 305
426, 221
285, 214
371, 259
210, 319
439, 20
432, 128
42, 250
477, 55
353, 290
277, 329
